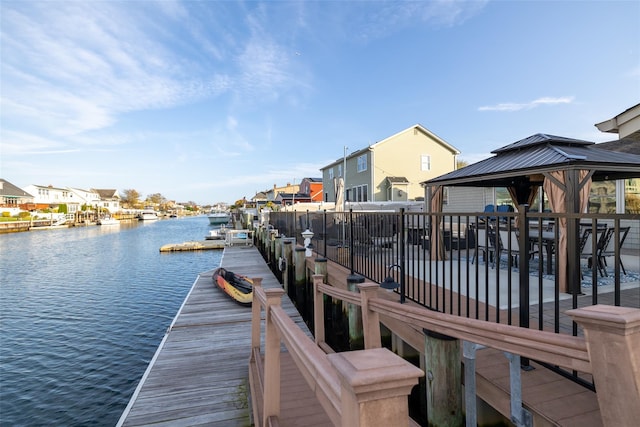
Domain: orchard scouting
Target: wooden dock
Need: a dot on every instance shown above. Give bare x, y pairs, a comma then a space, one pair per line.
200, 372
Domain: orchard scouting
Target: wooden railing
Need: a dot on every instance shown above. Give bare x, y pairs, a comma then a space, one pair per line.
348, 385
610, 349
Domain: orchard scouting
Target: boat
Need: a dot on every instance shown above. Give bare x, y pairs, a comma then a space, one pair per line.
217, 233
217, 217
107, 220
238, 287
148, 215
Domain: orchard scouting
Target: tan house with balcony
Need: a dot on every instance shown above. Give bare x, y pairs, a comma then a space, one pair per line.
391, 169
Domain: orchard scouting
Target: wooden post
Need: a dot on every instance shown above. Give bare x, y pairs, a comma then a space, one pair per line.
277, 245
370, 318
318, 309
300, 279
273, 259
321, 268
271, 359
444, 385
255, 316
375, 384
613, 342
287, 254
356, 336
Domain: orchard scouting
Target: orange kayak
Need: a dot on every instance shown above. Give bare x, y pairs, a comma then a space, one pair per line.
238, 287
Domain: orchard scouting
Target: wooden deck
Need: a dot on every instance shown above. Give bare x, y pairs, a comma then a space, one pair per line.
200, 372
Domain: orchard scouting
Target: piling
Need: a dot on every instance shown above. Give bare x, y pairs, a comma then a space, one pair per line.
354, 313
443, 380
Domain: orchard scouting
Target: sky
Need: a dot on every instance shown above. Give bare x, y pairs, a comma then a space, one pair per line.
213, 101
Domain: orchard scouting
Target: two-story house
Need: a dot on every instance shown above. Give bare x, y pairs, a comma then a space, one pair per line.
13, 197
109, 199
312, 187
50, 197
391, 169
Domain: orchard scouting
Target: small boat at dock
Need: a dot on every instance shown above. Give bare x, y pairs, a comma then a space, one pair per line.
217, 233
238, 287
107, 220
148, 215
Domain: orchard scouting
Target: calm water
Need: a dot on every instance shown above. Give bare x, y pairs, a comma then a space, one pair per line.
83, 310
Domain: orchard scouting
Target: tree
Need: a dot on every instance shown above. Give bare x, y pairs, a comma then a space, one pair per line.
461, 163
156, 199
130, 198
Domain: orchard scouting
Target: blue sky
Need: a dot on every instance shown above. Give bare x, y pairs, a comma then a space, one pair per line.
215, 100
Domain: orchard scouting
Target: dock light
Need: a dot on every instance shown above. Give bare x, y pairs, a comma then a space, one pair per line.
307, 235
390, 284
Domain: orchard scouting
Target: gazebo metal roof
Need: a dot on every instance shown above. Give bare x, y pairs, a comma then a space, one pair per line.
529, 158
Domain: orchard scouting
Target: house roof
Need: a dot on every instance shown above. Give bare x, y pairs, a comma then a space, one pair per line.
7, 189
421, 128
107, 194
397, 180
614, 124
528, 158
629, 144
298, 197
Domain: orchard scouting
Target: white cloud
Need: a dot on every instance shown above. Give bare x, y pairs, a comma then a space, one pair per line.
511, 106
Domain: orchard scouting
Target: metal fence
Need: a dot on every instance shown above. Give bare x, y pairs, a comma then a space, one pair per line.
483, 265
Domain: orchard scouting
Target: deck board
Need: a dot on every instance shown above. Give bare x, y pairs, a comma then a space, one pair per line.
199, 375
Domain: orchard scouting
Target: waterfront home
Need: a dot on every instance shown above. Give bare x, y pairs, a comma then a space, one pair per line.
12, 196
109, 199
391, 169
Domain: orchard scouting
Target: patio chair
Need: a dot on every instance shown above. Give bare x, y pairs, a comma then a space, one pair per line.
607, 248
504, 208
508, 241
488, 208
485, 239
586, 244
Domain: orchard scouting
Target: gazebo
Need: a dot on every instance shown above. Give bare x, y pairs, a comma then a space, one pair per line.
563, 167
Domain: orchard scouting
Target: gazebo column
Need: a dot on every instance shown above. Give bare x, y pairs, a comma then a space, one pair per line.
572, 203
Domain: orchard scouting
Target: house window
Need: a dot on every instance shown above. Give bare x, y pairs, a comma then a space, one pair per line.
339, 170
362, 163
360, 193
425, 162
331, 173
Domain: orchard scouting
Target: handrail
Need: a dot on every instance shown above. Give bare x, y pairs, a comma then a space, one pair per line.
342, 382
562, 350
310, 359
312, 362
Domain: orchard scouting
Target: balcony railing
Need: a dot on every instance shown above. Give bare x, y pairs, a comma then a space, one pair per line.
502, 267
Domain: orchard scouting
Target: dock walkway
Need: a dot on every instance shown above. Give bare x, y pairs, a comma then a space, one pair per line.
200, 372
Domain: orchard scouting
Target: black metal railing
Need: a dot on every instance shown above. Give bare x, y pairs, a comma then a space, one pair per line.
496, 266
